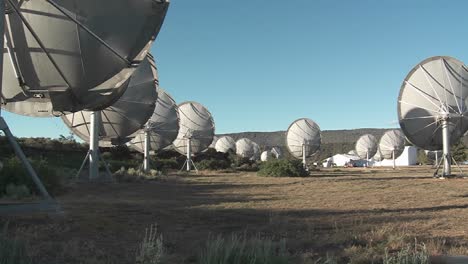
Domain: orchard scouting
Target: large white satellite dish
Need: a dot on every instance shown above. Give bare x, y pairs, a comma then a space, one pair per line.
392, 145
266, 155
126, 116
257, 151
303, 139
432, 105
277, 152
225, 144
245, 148
377, 156
116, 123
213, 143
366, 147
65, 56
196, 130
160, 130
74, 54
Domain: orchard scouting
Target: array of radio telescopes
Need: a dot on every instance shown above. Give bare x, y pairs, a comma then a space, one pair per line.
88, 62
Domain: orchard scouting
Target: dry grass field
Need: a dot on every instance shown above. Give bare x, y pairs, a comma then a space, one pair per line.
351, 213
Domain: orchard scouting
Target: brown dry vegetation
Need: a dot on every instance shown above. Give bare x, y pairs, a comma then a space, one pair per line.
351, 213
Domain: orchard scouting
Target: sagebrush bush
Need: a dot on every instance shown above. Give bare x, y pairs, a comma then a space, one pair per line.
282, 168
17, 191
151, 249
213, 164
416, 254
135, 175
167, 164
242, 250
13, 172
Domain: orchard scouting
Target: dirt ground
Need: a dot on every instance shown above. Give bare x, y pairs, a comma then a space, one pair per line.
103, 223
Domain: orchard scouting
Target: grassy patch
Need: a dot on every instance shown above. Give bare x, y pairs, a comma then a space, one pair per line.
242, 250
135, 175
15, 179
12, 251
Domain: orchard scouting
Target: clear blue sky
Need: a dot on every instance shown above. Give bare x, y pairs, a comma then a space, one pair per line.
258, 65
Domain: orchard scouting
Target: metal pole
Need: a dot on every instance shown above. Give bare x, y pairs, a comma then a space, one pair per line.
3, 124
189, 153
304, 162
94, 145
23, 159
446, 147
393, 157
367, 160
146, 165
2, 42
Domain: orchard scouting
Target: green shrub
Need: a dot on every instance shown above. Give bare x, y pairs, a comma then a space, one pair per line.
167, 164
13, 172
241, 250
213, 164
282, 168
17, 191
12, 251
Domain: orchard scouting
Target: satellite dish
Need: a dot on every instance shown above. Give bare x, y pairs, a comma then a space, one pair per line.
213, 143
266, 155
432, 105
377, 156
66, 56
366, 147
163, 125
127, 115
392, 144
245, 148
225, 144
277, 152
303, 139
196, 130
257, 151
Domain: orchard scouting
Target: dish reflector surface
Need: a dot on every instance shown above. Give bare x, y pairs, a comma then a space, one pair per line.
245, 148
127, 115
434, 90
163, 125
197, 124
277, 152
303, 132
366, 146
266, 155
257, 151
392, 140
377, 156
225, 144
70, 55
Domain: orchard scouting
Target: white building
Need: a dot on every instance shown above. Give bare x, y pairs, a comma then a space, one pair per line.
341, 160
407, 158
